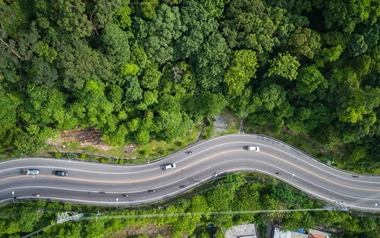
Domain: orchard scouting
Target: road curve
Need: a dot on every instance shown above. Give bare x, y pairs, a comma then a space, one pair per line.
103, 184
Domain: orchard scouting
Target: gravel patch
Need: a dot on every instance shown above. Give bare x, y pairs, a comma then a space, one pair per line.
220, 124
246, 231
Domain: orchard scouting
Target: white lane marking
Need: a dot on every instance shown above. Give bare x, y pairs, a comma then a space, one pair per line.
322, 168
177, 181
314, 166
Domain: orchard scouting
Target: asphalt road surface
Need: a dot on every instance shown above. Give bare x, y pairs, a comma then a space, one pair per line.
102, 184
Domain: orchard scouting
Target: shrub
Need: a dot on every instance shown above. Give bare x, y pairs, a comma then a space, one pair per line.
57, 155
83, 156
121, 161
103, 160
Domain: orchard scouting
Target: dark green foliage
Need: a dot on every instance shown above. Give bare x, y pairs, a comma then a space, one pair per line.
143, 70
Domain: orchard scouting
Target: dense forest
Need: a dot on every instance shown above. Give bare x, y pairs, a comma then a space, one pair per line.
142, 69
189, 216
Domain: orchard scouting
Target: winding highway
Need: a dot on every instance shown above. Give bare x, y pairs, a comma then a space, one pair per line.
103, 184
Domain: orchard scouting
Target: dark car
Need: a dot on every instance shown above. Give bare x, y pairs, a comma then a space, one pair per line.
61, 173
278, 173
189, 152
182, 186
355, 176
152, 191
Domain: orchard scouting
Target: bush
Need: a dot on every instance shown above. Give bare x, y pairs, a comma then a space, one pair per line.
57, 155
103, 160
83, 156
121, 161
146, 152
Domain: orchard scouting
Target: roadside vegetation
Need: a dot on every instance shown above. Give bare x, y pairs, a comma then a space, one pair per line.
211, 203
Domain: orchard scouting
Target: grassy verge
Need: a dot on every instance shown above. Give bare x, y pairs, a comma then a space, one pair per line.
335, 155
116, 154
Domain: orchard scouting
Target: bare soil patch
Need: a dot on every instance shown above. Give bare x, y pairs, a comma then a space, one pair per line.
85, 137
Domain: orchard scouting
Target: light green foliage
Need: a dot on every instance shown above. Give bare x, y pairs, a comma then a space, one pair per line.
332, 54
357, 154
353, 102
151, 76
43, 50
285, 66
148, 8
129, 69
142, 137
171, 121
122, 17
8, 104
139, 57
242, 69
148, 99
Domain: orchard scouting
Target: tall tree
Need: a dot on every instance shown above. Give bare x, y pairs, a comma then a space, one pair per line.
285, 66
242, 69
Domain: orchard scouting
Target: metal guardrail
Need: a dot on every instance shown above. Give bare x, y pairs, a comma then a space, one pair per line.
298, 151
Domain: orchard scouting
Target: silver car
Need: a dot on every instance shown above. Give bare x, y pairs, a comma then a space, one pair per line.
31, 172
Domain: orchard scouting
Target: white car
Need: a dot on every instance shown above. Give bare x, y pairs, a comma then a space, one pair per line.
169, 166
253, 148
31, 172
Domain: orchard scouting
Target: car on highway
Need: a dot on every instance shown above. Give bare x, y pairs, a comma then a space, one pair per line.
36, 195
61, 173
182, 186
151, 191
278, 173
170, 166
30, 172
189, 152
253, 148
